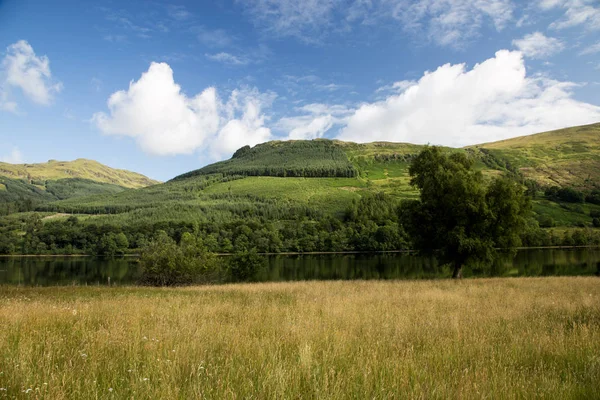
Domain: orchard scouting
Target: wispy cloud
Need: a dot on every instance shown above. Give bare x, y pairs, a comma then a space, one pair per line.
576, 12
227, 58
537, 45
248, 56
115, 38
306, 20
215, 38
177, 12
449, 23
593, 49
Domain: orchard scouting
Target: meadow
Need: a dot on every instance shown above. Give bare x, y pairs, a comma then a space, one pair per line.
478, 338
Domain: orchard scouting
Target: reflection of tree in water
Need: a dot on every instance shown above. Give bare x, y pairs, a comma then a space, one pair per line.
68, 270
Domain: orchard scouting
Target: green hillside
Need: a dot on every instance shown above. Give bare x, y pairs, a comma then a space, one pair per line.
319, 195
565, 157
23, 185
328, 176
318, 158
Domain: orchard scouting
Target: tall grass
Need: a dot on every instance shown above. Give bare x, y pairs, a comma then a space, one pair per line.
484, 338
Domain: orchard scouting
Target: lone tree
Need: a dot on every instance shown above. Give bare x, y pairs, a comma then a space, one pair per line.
459, 218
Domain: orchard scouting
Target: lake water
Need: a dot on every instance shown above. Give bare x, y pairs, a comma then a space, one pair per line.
48, 271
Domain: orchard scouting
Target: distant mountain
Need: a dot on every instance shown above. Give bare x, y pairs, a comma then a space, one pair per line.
58, 180
80, 168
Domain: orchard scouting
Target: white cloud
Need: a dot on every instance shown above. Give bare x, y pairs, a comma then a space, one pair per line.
315, 121
14, 157
165, 121
227, 58
593, 49
22, 69
537, 45
313, 128
455, 106
577, 12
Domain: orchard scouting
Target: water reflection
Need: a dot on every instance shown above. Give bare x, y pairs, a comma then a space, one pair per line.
47, 271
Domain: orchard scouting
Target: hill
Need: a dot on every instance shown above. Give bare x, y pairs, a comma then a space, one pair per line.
565, 157
23, 185
302, 158
81, 168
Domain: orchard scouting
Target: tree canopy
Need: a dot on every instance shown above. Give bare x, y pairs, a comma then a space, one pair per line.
460, 218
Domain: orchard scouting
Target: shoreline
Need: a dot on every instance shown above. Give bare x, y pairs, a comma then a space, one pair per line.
295, 253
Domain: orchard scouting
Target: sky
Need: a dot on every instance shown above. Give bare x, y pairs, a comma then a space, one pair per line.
162, 88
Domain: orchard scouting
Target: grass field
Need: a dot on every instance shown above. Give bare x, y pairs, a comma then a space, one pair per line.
480, 338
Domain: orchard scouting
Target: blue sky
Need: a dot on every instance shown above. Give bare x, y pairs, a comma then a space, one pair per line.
162, 88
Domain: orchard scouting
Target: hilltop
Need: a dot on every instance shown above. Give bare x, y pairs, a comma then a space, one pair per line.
565, 157
57, 180
80, 168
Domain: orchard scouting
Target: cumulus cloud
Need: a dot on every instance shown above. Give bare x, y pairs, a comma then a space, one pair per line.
14, 157
537, 45
455, 106
22, 69
165, 121
576, 12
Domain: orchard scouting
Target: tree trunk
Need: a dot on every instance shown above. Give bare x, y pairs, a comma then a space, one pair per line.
457, 274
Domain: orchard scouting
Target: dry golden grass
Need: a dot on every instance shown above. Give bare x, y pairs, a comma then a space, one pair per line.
483, 338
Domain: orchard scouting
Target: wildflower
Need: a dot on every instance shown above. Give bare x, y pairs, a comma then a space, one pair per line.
145, 379
110, 389
83, 355
28, 390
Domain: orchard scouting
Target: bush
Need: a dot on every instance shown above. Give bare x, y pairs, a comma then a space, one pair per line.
568, 195
165, 263
596, 222
546, 221
245, 266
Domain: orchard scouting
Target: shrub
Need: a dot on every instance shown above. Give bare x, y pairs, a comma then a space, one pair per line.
245, 266
546, 221
165, 263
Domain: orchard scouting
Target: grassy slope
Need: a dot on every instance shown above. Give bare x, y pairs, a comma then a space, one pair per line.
56, 180
483, 338
566, 157
81, 168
